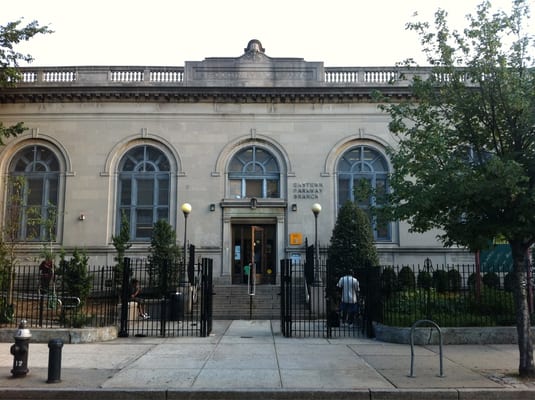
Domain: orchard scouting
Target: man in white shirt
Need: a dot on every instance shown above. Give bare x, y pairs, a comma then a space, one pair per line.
349, 303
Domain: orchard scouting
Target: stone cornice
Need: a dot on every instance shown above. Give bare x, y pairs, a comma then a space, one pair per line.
159, 94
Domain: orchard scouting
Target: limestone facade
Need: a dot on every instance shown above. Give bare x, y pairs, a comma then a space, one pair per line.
296, 119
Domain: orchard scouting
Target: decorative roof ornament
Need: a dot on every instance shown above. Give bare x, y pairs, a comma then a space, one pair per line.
254, 45
254, 50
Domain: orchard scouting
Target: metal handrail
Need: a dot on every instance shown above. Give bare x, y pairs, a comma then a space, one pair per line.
419, 322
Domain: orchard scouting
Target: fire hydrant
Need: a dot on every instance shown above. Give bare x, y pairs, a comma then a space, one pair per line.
20, 350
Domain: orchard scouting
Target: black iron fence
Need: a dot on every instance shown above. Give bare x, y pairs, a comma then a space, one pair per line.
458, 295
173, 301
449, 295
47, 301
310, 306
181, 306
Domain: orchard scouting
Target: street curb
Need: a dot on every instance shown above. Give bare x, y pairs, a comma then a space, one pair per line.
370, 394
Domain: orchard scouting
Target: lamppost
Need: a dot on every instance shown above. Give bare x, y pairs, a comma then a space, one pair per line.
316, 209
186, 209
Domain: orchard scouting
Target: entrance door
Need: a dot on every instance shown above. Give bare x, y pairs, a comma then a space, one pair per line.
254, 247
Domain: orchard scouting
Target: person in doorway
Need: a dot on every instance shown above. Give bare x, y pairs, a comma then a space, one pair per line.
349, 286
135, 291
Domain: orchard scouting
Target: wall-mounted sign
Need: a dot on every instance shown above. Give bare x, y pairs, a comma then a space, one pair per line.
307, 190
296, 238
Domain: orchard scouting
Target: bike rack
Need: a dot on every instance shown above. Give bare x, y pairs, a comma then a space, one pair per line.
419, 322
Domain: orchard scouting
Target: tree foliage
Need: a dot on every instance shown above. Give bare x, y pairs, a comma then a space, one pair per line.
164, 257
11, 35
352, 245
465, 159
121, 242
76, 283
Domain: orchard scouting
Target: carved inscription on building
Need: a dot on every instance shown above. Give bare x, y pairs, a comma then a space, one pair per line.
307, 190
247, 74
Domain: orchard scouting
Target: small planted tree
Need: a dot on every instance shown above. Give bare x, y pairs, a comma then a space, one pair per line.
164, 258
75, 283
11, 238
121, 242
352, 245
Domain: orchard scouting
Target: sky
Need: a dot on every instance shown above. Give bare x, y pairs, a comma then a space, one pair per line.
170, 32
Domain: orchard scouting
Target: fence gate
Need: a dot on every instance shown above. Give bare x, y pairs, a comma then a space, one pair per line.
308, 308
162, 309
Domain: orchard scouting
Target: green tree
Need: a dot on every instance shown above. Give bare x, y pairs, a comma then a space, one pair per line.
164, 257
121, 242
10, 35
465, 160
75, 283
352, 245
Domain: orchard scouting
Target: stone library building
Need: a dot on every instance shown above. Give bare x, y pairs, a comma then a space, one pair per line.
247, 145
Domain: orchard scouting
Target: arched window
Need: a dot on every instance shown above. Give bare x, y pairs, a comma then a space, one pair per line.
32, 213
363, 177
254, 172
144, 177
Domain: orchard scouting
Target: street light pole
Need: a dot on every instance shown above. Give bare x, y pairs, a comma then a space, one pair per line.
186, 209
316, 209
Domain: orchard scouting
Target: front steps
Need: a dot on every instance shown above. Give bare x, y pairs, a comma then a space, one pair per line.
233, 302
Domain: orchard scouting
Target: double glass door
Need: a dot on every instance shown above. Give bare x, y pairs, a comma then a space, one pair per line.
253, 254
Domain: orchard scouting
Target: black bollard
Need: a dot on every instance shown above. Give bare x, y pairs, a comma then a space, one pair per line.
54, 360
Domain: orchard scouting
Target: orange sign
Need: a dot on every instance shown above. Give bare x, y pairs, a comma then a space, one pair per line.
296, 238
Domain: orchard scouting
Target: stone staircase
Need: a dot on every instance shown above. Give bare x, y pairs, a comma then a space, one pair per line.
233, 302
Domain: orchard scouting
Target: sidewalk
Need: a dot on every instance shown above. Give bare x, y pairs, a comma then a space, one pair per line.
245, 356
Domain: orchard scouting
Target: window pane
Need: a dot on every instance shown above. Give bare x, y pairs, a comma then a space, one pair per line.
163, 213
126, 192
380, 191
383, 229
362, 191
35, 192
144, 223
344, 190
52, 191
163, 191
145, 192
253, 188
235, 188
272, 189
33, 230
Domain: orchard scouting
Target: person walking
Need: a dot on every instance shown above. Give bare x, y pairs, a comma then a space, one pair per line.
349, 286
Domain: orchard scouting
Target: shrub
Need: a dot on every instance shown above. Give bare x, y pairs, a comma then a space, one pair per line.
491, 280
424, 280
389, 281
440, 280
472, 281
76, 283
454, 280
406, 278
164, 257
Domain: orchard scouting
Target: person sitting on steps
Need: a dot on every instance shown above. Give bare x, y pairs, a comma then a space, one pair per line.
135, 291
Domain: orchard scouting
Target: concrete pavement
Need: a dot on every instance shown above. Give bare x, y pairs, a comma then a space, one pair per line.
242, 358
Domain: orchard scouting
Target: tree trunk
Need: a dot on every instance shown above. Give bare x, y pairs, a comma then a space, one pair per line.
519, 250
